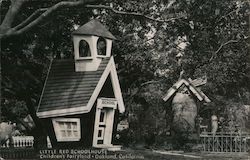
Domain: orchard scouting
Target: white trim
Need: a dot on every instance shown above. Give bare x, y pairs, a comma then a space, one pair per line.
47, 76
102, 133
85, 58
101, 56
101, 104
110, 69
57, 129
117, 88
194, 91
62, 112
109, 111
104, 117
76, 43
106, 47
198, 93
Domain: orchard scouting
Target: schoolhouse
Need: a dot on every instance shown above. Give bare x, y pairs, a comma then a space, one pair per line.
81, 99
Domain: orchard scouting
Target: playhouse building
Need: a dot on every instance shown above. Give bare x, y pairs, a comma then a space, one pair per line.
185, 98
81, 99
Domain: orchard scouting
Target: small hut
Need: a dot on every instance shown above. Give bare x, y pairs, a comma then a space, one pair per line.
82, 99
185, 98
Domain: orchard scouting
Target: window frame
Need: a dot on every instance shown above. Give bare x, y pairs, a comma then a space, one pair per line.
104, 118
87, 57
102, 134
58, 129
106, 46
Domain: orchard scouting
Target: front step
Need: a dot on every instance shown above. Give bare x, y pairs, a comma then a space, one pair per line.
110, 147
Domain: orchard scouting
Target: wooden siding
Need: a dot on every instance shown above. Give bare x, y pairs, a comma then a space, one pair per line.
87, 127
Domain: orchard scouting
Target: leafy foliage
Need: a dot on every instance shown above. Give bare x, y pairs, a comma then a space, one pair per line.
210, 40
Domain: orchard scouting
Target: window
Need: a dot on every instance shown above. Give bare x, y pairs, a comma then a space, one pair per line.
101, 46
100, 133
84, 50
67, 129
102, 120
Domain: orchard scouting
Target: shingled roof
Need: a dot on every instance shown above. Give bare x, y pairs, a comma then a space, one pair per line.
67, 92
66, 88
94, 27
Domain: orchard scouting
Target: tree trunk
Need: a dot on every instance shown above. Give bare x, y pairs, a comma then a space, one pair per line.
10, 16
40, 136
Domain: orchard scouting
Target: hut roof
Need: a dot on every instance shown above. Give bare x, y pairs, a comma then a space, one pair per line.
196, 91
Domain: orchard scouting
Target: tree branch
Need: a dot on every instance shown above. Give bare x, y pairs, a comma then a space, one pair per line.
25, 26
224, 16
224, 44
30, 18
132, 13
150, 82
34, 19
10, 15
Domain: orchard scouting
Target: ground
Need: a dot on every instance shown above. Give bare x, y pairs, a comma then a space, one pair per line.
135, 154
178, 155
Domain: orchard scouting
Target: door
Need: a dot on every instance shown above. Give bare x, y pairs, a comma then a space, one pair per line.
103, 128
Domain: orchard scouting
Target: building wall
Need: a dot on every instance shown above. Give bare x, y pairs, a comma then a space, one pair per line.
107, 92
87, 122
87, 128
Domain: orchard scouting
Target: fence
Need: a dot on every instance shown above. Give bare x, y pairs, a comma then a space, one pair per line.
23, 141
18, 153
224, 142
21, 147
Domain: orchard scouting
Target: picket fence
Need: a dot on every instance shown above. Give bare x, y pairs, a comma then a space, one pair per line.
23, 141
225, 142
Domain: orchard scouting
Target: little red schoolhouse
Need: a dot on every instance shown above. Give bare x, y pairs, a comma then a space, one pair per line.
82, 99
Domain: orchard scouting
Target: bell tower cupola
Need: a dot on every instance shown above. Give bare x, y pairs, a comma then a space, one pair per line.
92, 43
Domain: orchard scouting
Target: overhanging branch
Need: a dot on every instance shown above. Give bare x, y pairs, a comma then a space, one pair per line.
132, 13
36, 17
225, 44
30, 18
31, 22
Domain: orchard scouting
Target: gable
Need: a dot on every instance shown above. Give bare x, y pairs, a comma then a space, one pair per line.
110, 70
67, 92
197, 92
107, 89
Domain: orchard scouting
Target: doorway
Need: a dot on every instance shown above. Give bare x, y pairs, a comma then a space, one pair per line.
104, 121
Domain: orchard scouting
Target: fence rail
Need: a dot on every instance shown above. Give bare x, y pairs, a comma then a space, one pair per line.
224, 142
22, 141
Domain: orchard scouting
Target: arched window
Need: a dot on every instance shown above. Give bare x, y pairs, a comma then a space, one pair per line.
101, 46
84, 50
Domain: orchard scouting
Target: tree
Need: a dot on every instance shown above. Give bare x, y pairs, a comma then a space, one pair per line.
25, 53
211, 37
9, 27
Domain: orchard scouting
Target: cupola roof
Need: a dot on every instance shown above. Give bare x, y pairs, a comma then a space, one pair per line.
94, 27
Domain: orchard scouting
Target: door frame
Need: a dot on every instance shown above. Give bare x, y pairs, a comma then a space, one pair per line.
108, 105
